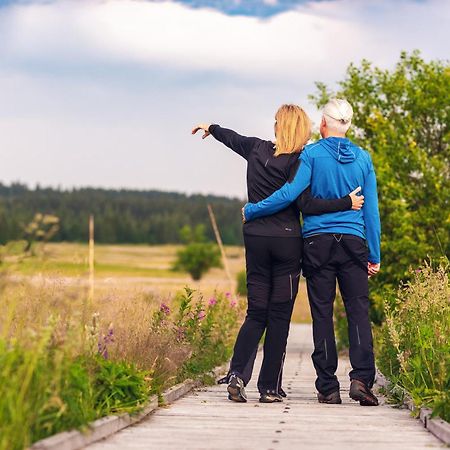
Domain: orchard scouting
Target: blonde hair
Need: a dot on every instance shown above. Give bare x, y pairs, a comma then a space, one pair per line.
293, 129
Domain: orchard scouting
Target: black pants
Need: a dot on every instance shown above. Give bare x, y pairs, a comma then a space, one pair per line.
328, 257
273, 271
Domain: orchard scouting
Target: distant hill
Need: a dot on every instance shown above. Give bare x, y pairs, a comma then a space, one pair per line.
121, 216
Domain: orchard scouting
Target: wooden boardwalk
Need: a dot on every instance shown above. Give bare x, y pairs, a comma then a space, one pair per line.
205, 419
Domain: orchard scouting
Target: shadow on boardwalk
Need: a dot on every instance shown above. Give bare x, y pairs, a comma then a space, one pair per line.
205, 419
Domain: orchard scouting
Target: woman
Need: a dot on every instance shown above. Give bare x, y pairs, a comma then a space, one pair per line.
272, 246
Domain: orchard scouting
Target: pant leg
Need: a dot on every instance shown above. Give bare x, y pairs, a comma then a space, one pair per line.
320, 273
247, 374
354, 287
286, 255
258, 264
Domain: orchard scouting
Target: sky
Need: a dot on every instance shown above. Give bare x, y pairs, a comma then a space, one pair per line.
105, 92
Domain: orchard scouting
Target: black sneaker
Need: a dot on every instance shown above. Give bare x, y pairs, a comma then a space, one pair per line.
362, 394
236, 390
282, 392
332, 399
270, 397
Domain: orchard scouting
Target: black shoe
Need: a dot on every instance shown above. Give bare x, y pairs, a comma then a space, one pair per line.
362, 394
282, 392
236, 390
270, 397
332, 399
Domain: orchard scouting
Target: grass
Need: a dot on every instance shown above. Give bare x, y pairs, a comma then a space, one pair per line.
131, 268
65, 361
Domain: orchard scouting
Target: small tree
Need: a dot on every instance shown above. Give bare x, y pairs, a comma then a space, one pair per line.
198, 256
42, 228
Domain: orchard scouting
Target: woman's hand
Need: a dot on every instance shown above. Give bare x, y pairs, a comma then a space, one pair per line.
357, 200
373, 269
204, 127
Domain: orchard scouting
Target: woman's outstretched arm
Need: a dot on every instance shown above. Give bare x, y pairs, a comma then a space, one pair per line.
242, 145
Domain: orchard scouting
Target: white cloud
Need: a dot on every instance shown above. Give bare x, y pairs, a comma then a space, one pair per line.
169, 34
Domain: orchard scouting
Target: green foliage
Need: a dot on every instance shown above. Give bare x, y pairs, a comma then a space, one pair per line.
124, 216
42, 228
209, 330
198, 256
413, 347
57, 375
241, 287
44, 390
401, 117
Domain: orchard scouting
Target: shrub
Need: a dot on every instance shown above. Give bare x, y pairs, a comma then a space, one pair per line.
198, 256
413, 344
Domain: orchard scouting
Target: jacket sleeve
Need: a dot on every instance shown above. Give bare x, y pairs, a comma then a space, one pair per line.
242, 145
284, 196
310, 205
372, 216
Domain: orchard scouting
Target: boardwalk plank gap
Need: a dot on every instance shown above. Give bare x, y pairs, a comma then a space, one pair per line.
205, 419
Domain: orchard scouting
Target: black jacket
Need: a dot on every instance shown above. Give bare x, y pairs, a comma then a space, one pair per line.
267, 173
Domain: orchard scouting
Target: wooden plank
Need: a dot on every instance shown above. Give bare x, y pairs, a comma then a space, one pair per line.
205, 419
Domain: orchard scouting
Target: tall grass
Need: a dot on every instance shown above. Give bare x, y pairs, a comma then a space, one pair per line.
413, 344
64, 363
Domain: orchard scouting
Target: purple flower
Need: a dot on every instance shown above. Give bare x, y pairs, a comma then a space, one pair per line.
212, 301
233, 303
201, 315
227, 294
165, 309
103, 343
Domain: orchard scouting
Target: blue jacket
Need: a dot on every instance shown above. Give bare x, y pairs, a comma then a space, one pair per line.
333, 167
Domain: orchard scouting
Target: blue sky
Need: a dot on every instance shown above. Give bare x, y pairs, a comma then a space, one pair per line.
105, 93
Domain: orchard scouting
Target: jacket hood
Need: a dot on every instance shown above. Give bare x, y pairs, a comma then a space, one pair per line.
342, 149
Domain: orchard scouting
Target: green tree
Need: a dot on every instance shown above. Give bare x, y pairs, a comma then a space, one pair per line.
198, 256
401, 117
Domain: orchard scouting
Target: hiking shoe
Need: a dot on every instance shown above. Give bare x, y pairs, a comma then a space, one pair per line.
362, 394
270, 397
236, 390
332, 399
282, 392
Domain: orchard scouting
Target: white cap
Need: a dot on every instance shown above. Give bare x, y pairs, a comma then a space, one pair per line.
339, 109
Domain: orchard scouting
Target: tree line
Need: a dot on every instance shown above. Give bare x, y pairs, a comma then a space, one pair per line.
121, 216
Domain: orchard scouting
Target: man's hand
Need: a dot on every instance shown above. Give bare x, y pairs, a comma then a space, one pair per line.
372, 269
204, 127
243, 214
357, 200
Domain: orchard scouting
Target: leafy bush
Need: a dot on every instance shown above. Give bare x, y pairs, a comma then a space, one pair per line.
413, 346
198, 256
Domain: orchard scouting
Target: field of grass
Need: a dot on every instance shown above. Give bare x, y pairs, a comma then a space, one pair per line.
126, 269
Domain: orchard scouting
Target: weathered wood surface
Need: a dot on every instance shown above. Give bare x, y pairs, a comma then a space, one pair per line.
205, 419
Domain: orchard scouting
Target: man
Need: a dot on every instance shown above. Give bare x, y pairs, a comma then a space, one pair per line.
335, 247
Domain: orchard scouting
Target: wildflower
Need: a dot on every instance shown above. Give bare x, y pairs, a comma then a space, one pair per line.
212, 301
164, 309
233, 303
201, 315
103, 343
228, 294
